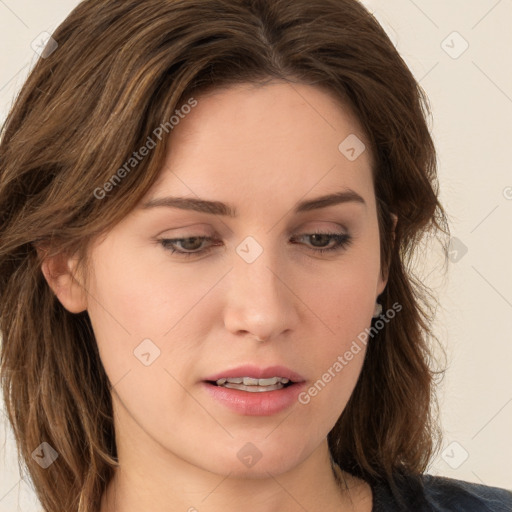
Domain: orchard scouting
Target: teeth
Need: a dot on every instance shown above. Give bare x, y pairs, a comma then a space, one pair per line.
250, 381
252, 388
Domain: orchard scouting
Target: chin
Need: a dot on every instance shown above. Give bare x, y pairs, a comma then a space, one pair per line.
248, 461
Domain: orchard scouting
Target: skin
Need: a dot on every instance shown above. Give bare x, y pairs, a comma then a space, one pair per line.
261, 149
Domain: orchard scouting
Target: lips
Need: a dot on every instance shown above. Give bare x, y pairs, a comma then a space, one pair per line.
252, 399
256, 372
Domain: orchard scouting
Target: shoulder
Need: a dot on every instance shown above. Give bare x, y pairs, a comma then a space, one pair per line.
450, 494
428, 493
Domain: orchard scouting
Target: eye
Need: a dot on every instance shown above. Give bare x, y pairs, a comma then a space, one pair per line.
340, 241
190, 246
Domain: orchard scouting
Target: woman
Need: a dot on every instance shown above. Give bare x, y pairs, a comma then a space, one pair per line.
208, 210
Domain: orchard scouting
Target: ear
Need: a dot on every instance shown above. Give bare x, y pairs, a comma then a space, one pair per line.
60, 274
383, 281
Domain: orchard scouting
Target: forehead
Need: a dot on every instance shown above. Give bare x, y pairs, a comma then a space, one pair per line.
260, 140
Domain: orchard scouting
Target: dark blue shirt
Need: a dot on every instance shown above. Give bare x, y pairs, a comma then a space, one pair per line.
428, 493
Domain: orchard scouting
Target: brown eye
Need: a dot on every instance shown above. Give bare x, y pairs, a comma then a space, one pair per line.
186, 246
320, 240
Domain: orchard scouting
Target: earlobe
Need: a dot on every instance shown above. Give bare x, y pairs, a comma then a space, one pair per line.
60, 274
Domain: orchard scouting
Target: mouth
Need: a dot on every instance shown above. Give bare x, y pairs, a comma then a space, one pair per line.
253, 385
254, 391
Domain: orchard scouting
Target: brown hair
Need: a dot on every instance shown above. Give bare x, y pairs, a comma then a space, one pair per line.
121, 69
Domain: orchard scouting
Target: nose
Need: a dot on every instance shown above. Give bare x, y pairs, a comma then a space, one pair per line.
260, 300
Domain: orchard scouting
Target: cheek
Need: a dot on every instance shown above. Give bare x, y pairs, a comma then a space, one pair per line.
130, 321
345, 304
133, 302
327, 395
142, 297
338, 361
345, 308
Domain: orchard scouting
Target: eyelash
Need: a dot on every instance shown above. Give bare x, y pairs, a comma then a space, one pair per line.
342, 241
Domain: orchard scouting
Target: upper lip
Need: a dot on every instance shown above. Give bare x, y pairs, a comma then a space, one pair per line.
257, 373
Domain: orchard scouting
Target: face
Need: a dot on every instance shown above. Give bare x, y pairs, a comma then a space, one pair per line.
274, 290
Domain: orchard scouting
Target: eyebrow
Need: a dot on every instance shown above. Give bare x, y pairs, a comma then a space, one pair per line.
223, 209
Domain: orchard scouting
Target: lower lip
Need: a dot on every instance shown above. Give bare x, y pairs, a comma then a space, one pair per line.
261, 403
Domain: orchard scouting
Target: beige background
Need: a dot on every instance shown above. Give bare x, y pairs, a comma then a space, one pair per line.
471, 97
